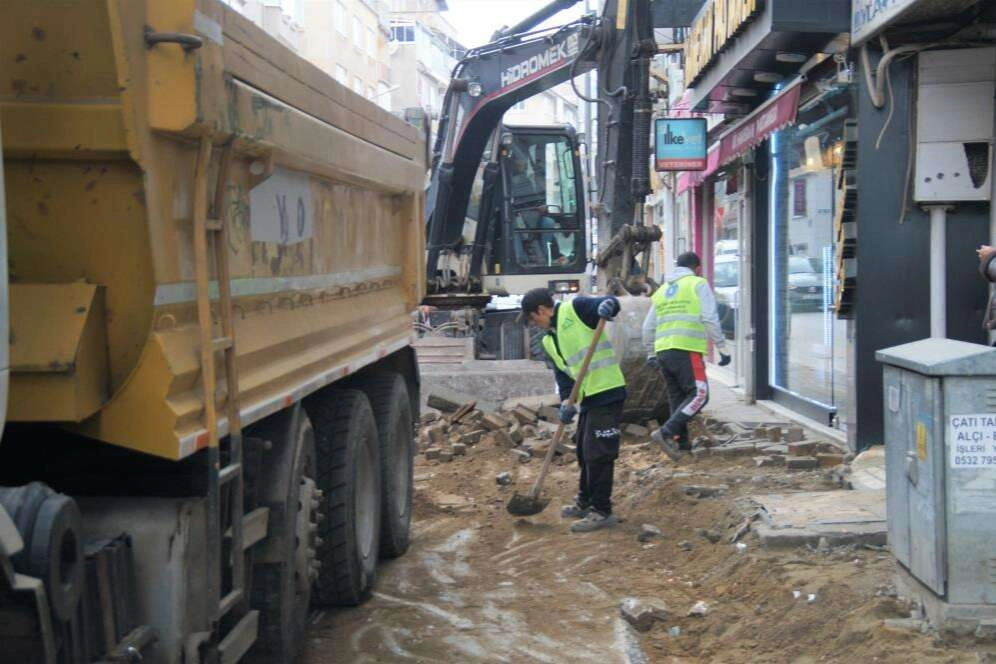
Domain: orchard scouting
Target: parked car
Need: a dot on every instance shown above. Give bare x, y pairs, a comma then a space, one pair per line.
805, 284
726, 286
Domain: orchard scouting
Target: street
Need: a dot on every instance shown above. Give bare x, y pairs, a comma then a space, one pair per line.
481, 586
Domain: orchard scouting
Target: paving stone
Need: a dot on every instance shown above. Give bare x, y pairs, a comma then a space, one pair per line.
768, 461
710, 535
775, 434
503, 479
761, 432
458, 449
830, 460
442, 403
642, 613
773, 449
472, 437
549, 414
747, 448
432, 453
801, 463
648, 532
802, 449
428, 418
524, 416
502, 438
636, 430
436, 434
704, 491
794, 434
494, 422
445, 455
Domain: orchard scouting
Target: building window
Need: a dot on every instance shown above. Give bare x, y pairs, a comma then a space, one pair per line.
371, 43
340, 17
403, 33
358, 85
357, 32
341, 75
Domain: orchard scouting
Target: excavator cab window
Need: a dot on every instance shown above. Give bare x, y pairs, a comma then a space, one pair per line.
545, 231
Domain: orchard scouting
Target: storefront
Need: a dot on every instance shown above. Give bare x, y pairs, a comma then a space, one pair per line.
766, 203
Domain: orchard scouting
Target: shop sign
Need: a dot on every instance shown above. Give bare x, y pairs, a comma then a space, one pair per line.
869, 16
766, 120
680, 144
717, 24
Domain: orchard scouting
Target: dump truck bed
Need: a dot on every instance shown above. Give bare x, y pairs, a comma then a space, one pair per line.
324, 207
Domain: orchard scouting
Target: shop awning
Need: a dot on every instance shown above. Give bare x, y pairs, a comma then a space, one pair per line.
776, 113
769, 117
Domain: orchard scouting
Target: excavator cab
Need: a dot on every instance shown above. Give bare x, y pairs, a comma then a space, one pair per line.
538, 212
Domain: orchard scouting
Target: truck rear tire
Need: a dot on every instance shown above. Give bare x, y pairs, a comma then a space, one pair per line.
349, 474
282, 573
392, 409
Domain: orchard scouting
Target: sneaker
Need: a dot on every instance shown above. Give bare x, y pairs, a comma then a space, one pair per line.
668, 443
574, 511
594, 521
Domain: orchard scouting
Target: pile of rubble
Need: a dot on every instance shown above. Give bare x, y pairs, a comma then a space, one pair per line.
768, 444
525, 428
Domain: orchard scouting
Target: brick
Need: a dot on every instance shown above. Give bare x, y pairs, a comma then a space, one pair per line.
458, 449
642, 613
549, 413
636, 430
794, 434
442, 403
494, 422
524, 416
830, 460
801, 463
502, 438
432, 453
445, 455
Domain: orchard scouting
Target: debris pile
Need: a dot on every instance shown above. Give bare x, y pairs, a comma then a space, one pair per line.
525, 428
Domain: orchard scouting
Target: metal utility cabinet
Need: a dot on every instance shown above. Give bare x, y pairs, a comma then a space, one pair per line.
940, 440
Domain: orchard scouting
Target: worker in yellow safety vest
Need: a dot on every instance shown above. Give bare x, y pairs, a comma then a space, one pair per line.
570, 329
681, 322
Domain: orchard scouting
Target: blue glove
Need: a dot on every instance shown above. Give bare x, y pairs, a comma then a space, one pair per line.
653, 363
724, 360
567, 412
608, 308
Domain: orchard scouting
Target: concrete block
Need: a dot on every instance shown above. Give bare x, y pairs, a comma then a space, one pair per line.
794, 434
445, 455
494, 422
458, 449
802, 449
549, 413
442, 403
801, 463
432, 453
642, 613
472, 437
830, 460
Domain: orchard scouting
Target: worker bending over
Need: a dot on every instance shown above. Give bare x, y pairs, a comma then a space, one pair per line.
676, 332
570, 329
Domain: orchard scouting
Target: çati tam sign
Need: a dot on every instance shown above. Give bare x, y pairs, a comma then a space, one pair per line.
869, 16
972, 441
680, 144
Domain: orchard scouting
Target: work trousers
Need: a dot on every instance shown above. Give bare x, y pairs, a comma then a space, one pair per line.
597, 441
687, 389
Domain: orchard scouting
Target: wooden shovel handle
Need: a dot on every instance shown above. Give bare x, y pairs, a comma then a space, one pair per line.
557, 437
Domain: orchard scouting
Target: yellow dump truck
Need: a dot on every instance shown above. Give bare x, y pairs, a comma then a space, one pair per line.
213, 252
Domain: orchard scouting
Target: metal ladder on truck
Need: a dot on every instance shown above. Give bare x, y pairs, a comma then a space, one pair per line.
228, 603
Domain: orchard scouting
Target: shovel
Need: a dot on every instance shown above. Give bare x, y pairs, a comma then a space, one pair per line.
531, 503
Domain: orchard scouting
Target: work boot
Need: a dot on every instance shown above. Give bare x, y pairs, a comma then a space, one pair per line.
594, 521
668, 442
574, 511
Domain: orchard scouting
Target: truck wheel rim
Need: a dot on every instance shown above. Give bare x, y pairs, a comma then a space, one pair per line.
365, 506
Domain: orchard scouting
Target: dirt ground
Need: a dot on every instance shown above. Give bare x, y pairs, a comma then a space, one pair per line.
478, 585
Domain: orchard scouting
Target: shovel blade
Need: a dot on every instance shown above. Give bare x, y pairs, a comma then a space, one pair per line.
525, 505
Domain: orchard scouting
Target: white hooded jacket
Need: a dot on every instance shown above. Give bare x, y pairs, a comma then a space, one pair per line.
709, 316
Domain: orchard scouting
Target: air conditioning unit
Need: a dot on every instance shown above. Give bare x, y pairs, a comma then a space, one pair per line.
954, 127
